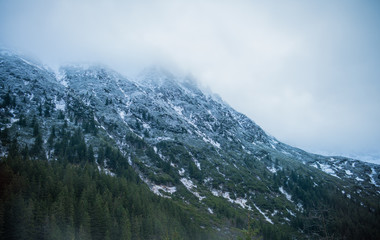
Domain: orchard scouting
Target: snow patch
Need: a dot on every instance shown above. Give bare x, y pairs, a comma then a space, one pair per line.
32, 64
325, 168
359, 179
217, 168
272, 169
196, 162
179, 110
60, 105
373, 173
274, 212
291, 213
287, 195
262, 213
163, 139
60, 76
240, 201
158, 189
348, 172
190, 185
13, 120
122, 114
106, 171
210, 210
208, 179
212, 142
299, 207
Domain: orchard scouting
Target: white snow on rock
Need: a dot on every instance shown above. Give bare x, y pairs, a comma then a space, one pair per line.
348, 172
109, 135
32, 64
291, 213
60, 76
210, 210
60, 105
240, 201
181, 171
274, 212
206, 180
299, 207
262, 213
243, 203
178, 110
196, 162
217, 168
122, 114
13, 120
373, 173
190, 185
212, 142
215, 192
325, 168
287, 195
106, 171
198, 196
163, 139
359, 179
272, 169
158, 189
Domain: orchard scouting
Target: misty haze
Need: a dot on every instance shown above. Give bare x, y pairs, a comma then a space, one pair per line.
189, 120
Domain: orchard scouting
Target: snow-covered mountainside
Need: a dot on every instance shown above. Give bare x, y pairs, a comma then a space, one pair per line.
183, 143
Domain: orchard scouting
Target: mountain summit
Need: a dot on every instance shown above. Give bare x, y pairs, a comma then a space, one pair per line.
186, 146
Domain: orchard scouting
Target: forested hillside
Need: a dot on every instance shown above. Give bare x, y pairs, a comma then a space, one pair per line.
89, 154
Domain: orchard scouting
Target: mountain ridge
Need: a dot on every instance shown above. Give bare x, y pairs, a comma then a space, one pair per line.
184, 144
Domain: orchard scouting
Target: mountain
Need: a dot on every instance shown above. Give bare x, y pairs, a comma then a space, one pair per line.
189, 147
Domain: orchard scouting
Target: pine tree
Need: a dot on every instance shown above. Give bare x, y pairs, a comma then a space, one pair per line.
51, 137
37, 148
90, 154
101, 156
36, 129
7, 99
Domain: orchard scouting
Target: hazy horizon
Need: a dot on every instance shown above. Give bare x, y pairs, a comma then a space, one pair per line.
307, 73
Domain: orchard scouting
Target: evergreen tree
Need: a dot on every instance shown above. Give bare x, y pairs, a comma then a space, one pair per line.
36, 129
90, 155
7, 99
37, 148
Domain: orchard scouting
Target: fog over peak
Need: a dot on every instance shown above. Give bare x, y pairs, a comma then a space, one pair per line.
307, 72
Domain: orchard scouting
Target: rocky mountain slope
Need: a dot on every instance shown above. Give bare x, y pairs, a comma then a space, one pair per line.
189, 146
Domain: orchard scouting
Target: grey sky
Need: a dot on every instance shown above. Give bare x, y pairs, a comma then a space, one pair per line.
308, 72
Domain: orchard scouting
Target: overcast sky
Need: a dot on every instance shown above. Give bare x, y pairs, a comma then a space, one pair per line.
308, 72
